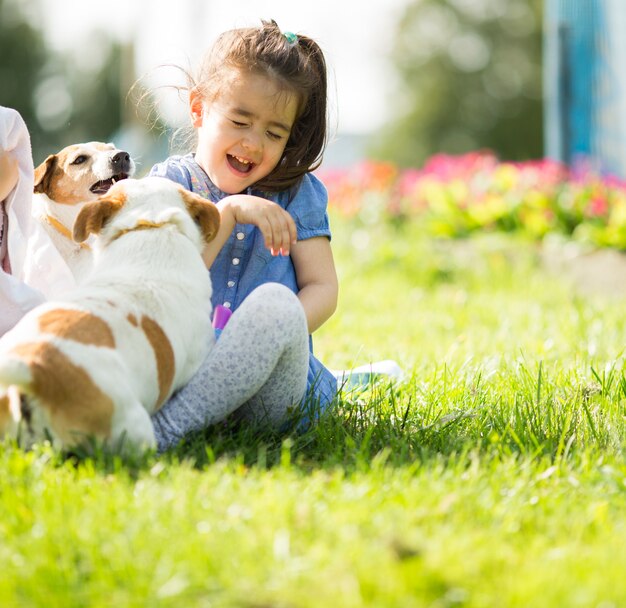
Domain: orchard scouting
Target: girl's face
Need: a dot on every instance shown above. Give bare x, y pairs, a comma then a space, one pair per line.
242, 133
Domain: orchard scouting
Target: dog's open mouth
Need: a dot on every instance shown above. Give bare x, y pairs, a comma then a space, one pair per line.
103, 186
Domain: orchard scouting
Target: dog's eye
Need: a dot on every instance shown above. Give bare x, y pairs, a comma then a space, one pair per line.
79, 160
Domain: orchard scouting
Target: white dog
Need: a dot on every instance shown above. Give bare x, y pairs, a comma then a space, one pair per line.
98, 362
64, 182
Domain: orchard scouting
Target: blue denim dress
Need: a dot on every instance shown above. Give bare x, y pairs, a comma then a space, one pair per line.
244, 262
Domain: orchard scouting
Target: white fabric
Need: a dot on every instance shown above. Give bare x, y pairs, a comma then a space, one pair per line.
45, 268
38, 269
16, 298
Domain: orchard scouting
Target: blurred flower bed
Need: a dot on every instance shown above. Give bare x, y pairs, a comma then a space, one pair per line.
456, 196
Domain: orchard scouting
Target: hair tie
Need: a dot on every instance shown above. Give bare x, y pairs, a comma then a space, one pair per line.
291, 37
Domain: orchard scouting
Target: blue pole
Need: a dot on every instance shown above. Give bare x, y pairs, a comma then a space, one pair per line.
584, 83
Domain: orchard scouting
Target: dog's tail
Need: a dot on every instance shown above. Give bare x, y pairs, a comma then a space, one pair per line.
11, 401
15, 383
15, 371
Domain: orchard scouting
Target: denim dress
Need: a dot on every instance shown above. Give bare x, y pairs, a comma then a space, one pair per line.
244, 262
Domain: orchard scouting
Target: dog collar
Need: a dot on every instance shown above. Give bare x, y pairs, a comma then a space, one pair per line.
61, 229
141, 225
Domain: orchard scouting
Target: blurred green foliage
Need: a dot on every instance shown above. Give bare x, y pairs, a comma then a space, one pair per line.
469, 77
63, 98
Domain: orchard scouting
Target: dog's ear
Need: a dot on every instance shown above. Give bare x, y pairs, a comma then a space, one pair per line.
94, 215
203, 212
43, 173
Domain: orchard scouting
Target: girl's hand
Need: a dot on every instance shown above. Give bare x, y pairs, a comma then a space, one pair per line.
276, 225
8, 174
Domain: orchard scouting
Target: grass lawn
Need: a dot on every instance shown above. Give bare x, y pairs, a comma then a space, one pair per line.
493, 475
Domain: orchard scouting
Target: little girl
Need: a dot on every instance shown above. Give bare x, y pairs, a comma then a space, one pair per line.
258, 106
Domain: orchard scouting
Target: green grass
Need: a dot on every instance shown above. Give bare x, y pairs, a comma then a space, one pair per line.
493, 475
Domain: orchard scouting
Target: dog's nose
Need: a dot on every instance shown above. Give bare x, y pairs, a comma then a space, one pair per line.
121, 162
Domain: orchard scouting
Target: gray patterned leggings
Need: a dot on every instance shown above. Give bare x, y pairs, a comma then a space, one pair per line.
258, 368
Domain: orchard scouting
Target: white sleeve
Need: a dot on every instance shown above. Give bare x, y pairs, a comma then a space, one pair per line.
14, 139
17, 298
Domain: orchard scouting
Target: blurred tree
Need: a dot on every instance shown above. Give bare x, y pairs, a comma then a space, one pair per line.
469, 77
63, 99
22, 53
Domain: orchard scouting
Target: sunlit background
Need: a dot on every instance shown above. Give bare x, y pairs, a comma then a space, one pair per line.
70, 65
409, 78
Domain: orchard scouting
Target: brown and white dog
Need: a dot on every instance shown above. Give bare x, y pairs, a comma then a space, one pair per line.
65, 181
98, 362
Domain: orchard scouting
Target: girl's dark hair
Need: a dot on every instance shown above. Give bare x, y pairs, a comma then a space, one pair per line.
297, 65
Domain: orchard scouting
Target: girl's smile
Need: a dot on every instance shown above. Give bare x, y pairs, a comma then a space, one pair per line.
240, 165
243, 131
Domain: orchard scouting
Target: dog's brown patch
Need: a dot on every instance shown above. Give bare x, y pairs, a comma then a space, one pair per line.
164, 354
132, 319
76, 406
77, 325
51, 178
204, 213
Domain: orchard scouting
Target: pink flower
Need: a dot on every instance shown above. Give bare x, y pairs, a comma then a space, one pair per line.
598, 206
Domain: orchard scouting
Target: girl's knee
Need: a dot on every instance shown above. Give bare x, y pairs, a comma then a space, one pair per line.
279, 297
272, 291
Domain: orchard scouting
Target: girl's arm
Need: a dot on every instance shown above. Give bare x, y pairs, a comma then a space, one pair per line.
317, 279
312, 258
276, 225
